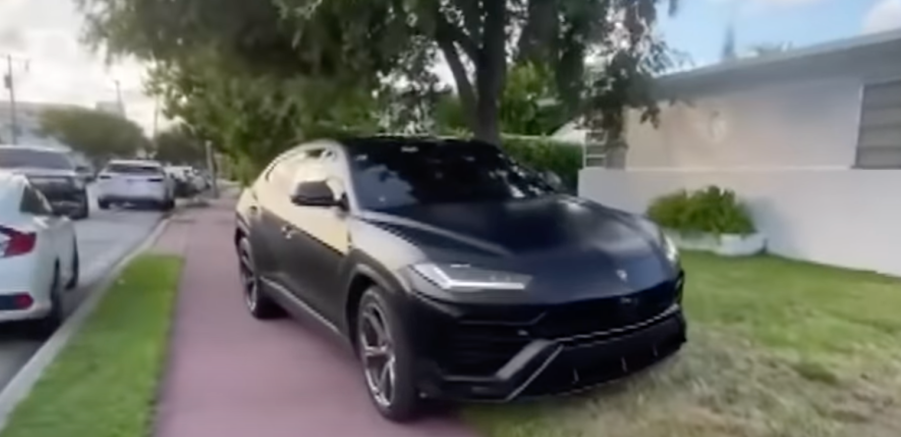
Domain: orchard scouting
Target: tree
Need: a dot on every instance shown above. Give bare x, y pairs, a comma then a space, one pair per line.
176, 145
361, 44
97, 134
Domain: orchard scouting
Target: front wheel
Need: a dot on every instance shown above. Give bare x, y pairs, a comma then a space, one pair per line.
103, 204
387, 358
258, 303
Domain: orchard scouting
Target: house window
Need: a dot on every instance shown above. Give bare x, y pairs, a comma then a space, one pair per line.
879, 140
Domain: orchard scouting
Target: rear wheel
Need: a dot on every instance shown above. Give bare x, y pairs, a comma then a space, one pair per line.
76, 268
386, 358
49, 324
258, 303
103, 204
83, 211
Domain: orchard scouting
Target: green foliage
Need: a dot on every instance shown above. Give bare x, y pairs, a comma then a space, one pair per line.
97, 134
530, 104
358, 47
711, 210
545, 154
178, 146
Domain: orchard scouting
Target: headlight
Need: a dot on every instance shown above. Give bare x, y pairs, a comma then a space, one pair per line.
669, 248
666, 243
463, 277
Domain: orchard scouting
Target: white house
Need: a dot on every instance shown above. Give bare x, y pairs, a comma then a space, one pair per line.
809, 138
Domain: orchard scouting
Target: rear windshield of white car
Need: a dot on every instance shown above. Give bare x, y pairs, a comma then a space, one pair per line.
133, 169
21, 158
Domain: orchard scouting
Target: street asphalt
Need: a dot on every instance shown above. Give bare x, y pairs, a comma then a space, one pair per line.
103, 239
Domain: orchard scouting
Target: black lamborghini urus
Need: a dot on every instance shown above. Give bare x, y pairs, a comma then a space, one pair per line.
454, 273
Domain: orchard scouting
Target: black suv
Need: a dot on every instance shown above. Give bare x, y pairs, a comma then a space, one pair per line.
54, 173
455, 273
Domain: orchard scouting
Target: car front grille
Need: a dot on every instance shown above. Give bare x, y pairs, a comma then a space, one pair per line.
480, 344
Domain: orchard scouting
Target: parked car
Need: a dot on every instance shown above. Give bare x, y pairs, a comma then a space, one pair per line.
135, 182
38, 255
53, 172
455, 273
86, 172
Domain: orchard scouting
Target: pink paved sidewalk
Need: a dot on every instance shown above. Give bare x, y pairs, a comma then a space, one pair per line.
230, 375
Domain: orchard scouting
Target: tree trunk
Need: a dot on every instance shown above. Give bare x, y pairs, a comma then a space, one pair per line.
491, 72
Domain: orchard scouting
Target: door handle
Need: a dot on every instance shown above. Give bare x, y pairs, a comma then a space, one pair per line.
287, 231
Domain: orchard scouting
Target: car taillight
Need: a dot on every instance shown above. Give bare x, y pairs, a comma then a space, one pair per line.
17, 243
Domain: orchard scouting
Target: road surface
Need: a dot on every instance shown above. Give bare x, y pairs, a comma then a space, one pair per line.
103, 239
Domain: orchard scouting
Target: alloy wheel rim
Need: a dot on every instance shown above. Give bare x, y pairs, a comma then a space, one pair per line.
377, 353
249, 281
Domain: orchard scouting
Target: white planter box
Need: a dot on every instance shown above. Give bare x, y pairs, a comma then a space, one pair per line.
725, 245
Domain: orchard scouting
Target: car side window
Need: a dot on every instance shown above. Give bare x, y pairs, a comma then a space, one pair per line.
34, 203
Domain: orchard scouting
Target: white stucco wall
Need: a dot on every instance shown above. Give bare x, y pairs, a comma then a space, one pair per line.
849, 218
807, 124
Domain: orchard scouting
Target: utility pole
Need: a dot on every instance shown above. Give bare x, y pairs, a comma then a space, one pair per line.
119, 98
11, 86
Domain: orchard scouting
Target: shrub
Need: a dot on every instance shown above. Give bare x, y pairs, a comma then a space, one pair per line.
711, 210
543, 154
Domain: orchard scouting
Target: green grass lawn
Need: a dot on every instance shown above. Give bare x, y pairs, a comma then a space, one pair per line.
777, 348
104, 382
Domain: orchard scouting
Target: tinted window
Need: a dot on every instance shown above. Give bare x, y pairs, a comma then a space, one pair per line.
17, 158
133, 169
392, 174
33, 202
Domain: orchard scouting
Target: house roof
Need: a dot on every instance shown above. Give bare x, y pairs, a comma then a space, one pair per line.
847, 57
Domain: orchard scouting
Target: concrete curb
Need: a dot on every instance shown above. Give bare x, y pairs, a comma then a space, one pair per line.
20, 385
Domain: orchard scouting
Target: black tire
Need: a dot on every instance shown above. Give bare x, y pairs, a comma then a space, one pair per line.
167, 205
103, 204
84, 211
258, 303
76, 269
51, 322
405, 403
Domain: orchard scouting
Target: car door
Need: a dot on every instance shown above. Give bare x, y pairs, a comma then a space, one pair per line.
319, 239
270, 197
54, 232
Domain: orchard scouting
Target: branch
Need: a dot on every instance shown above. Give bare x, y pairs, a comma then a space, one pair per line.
472, 21
446, 29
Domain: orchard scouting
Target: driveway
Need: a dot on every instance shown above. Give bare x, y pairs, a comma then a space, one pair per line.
103, 239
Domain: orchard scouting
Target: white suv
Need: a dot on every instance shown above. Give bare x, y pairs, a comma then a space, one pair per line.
135, 182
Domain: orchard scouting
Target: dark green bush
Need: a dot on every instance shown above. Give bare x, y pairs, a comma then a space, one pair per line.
542, 154
710, 210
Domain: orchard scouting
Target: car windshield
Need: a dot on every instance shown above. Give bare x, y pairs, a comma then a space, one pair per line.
396, 174
19, 158
135, 169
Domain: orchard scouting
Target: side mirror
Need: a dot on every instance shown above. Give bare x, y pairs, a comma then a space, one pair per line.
313, 194
554, 180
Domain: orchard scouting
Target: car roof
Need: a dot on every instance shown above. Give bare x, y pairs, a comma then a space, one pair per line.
140, 162
36, 148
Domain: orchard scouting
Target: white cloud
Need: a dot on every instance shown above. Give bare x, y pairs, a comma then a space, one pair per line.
44, 34
884, 15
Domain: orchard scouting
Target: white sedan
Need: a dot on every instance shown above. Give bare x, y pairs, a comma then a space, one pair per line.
38, 255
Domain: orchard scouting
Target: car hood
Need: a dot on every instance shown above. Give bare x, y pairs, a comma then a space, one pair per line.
43, 172
571, 247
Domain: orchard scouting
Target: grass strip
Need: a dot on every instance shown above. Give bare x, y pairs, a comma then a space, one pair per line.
104, 383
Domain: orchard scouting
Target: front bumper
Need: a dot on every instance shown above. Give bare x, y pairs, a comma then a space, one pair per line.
506, 358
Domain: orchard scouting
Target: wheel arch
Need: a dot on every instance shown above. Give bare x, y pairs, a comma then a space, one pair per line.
365, 272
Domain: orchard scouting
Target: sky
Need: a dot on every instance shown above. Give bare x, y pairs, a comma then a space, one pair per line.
46, 34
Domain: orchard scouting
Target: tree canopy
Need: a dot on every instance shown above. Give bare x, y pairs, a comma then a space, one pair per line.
97, 134
178, 146
363, 45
